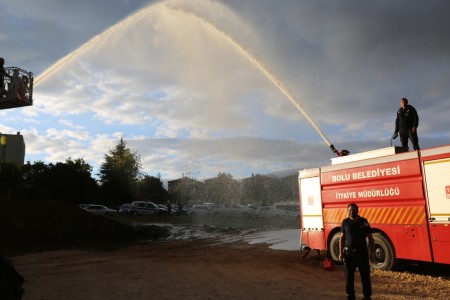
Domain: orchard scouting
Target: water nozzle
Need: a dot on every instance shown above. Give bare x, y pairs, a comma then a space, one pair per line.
334, 150
345, 152
342, 153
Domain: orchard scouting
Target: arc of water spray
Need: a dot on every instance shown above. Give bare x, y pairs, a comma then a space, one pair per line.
252, 58
72, 55
247, 53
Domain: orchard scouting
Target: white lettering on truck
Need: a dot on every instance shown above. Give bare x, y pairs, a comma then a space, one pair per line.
387, 192
340, 177
378, 172
346, 195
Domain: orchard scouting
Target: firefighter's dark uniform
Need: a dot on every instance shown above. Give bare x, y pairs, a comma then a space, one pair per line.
356, 255
407, 118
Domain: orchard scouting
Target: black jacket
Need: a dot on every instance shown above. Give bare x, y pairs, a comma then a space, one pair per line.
407, 118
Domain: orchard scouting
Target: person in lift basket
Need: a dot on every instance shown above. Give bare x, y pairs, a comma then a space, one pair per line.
2, 77
353, 251
406, 125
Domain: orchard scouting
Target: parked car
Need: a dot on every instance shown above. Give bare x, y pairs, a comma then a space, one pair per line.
163, 209
232, 209
144, 208
288, 210
280, 210
100, 210
125, 209
84, 205
211, 205
253, 206
178, 210
174, 209
198, 210
265, 212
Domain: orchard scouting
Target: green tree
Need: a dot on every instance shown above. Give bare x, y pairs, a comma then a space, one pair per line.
223, 189
80, 165
70, 181
31, 172
67, 182
34, 179
152, 188
264, 190
188, 191
10, 180
120, 174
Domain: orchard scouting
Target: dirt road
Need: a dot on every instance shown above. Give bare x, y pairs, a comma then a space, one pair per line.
203, 270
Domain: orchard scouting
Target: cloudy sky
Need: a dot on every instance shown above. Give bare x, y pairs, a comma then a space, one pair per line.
199, 87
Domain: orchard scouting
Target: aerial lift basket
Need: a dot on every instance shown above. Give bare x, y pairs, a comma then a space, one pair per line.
16, 88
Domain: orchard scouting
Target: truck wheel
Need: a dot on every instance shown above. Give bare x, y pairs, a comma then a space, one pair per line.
333, 247
384, 253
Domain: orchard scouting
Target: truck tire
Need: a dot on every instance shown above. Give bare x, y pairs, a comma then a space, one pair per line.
333, 247
384, 253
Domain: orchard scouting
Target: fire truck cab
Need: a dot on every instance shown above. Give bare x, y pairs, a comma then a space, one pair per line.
404, 195
16, 88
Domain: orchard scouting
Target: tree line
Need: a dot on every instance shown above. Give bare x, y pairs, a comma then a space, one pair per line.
121, 180
258, 189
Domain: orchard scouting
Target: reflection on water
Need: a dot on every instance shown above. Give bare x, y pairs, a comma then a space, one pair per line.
277, 239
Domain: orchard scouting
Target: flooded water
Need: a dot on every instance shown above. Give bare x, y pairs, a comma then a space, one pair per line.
282, 239
277, 239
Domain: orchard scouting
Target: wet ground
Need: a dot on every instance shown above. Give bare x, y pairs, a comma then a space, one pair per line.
285, 239
203, 262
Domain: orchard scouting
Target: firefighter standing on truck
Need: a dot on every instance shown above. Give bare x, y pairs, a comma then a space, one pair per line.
353, 251
406, 124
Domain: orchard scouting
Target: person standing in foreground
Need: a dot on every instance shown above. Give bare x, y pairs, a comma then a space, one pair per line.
353, 251
406, 124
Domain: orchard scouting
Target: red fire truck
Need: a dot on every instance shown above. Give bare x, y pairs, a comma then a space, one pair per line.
404, 195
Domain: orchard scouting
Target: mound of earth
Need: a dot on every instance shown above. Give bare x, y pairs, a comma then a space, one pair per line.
28, 226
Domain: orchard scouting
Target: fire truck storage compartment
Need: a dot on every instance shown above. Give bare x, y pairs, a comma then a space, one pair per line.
311, 208
436, 169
